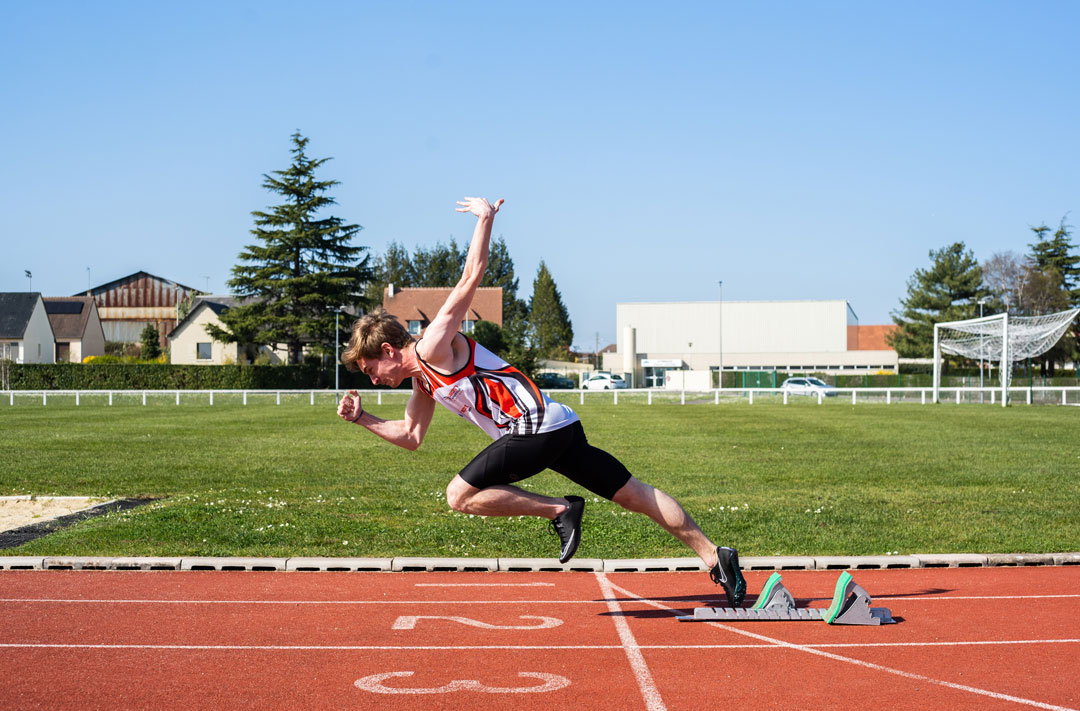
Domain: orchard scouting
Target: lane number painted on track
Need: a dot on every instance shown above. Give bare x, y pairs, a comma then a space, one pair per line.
374, 684
408, 622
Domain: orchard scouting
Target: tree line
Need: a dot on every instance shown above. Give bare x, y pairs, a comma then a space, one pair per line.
1044, 280
304, 269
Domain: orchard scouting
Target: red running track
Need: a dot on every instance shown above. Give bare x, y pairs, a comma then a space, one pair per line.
970, 638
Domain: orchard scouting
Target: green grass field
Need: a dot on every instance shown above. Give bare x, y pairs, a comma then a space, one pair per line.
293, 480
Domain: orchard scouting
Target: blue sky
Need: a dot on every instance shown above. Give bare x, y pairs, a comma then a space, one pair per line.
793, 150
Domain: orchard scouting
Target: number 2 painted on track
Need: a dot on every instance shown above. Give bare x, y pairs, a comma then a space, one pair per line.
408, 622
374, 684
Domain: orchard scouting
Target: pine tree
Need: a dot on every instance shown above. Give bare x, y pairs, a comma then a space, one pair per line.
500, 272
549, 323
948, 291
440, 265
150, 343
303, 270
1056, 252
1053, 284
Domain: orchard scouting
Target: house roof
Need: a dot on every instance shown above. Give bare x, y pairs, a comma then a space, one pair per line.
16, 308
422, 303
218, 303
134, 277
68, 315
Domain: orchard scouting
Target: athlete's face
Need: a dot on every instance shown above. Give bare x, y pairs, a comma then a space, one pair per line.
387, 369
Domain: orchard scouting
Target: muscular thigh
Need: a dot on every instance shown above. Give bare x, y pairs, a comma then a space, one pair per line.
514, 457
591, 467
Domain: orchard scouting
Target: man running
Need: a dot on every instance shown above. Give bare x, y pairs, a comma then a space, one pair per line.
531, 431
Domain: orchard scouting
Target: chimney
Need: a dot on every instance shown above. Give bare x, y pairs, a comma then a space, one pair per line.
390, 291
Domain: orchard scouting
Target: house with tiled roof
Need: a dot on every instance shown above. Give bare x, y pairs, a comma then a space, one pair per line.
76, 327
26, 336
416, 306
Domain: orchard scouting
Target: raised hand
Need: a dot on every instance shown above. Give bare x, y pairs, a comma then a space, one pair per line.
479, 206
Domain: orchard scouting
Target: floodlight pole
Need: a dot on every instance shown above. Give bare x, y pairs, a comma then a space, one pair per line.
337, 344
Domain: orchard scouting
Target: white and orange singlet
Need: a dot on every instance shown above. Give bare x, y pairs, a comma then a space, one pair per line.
494, 395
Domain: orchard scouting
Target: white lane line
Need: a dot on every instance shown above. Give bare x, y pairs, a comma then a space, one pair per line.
309, 602
515, 647
649, 692
973, 597
484, 585
859, 662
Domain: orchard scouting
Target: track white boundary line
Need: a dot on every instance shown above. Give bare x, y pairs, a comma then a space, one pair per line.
857, 662
706, 599
515, 647
484, 585
653, 701
312, 602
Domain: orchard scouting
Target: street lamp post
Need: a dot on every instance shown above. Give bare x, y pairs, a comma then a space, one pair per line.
720, 336
337, 346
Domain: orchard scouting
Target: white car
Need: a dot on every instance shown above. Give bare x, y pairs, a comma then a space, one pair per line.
807, 386
604, 381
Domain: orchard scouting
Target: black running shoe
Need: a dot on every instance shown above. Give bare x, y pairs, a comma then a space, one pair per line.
568, 526
726, 572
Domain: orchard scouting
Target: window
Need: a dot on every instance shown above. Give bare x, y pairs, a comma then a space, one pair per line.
202, 351
414, 328
467, 326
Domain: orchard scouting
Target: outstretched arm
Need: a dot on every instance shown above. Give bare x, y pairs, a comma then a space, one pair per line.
435, 347
407, 433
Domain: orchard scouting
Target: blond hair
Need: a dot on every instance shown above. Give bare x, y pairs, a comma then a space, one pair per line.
369, 333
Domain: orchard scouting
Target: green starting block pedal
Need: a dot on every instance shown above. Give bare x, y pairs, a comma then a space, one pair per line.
850, 606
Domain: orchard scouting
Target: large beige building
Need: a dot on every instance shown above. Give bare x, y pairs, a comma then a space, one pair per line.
784, 336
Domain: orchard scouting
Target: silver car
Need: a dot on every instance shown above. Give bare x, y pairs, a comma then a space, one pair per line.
807, 386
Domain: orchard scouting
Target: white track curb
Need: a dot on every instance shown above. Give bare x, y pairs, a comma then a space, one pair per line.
959, 560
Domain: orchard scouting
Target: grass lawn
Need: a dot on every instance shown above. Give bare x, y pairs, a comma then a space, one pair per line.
293, 480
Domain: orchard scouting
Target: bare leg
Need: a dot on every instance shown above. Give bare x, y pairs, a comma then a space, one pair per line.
501, 500
639, 497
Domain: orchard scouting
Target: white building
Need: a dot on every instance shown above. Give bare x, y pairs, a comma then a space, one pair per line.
25, 333
191, 344
779, 336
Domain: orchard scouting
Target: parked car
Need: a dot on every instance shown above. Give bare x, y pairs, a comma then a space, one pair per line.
604, 381
553, 381
807, 386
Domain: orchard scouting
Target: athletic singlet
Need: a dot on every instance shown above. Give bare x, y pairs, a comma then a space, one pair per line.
495, 396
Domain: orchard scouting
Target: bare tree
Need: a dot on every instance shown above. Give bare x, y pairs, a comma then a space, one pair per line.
1005, 275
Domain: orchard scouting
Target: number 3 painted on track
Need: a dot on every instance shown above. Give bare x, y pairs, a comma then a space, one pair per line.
552, 682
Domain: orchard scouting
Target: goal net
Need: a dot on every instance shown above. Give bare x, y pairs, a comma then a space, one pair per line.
1000, 338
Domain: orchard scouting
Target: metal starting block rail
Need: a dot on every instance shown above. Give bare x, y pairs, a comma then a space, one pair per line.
850, 606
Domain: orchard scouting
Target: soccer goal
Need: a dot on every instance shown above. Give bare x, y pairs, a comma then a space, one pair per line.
999, 338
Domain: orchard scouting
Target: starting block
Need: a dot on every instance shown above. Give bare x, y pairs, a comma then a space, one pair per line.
850, 606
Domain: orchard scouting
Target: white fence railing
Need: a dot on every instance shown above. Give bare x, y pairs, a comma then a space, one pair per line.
1063, 395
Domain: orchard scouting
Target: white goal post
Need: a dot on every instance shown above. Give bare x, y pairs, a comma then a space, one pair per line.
1001, 338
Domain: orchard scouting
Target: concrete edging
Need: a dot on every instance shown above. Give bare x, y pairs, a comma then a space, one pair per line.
616, 565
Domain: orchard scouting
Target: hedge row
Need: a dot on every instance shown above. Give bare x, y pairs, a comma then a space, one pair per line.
166, 376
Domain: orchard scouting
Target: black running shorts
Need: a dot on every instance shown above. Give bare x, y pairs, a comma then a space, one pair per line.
515, 457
